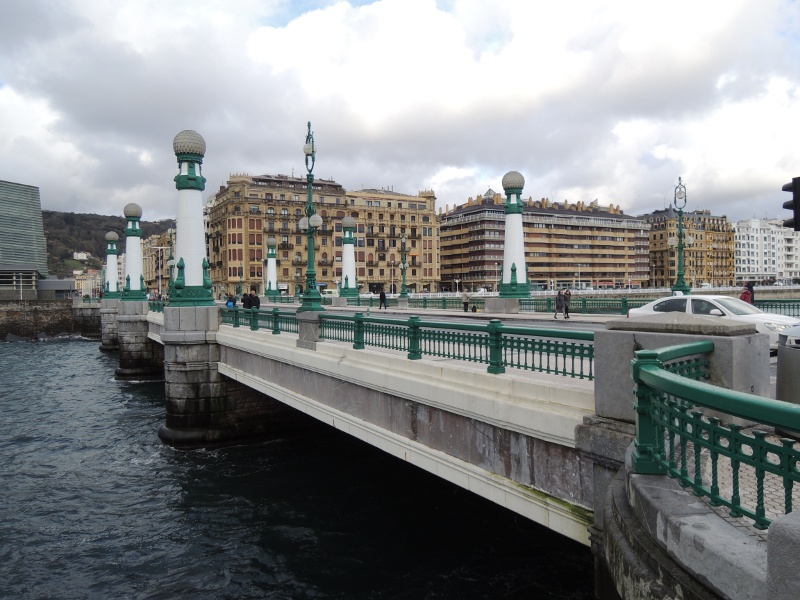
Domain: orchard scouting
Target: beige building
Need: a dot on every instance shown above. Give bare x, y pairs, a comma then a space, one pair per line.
709, 258
574, 245
249, 210
155, 263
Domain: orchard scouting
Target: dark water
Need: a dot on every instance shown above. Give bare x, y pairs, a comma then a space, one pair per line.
93, 506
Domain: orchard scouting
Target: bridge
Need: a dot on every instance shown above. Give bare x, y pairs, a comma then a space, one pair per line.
541, 421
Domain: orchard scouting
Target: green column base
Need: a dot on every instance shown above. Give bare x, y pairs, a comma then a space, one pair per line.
133, 295
191, 295
515, 290
110, 295
348, 292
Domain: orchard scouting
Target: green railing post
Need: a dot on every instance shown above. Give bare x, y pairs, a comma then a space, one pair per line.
254, 319
624, 303
276, 327
424, 303
444, 303
549, 305
646, 442
495, 329
235, 317
414, 350
358, 332
583, 306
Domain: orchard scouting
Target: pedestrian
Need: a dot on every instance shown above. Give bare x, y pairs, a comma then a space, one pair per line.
465, 300
246, 300
746, 296
752, 291
382, 297
567, 298
231, 303
255, 301
559, 304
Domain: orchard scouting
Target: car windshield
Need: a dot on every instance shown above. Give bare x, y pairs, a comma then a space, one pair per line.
738, 307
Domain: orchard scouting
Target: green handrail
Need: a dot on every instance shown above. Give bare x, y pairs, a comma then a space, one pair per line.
564, 352
674, 436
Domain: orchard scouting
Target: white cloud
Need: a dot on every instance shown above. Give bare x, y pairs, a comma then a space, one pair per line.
611, 101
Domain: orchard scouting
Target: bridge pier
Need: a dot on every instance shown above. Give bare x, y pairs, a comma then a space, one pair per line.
109, 332
205, 408
140, 358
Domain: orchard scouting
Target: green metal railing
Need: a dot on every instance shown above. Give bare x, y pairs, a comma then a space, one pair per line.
567, 353
255, 318
157, 306
586, 306
675, 437
790, 308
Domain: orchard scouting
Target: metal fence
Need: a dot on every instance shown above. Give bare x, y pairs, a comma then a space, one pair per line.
562, 352
275, 320
729, 464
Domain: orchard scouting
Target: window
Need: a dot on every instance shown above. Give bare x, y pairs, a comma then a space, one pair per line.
671, 305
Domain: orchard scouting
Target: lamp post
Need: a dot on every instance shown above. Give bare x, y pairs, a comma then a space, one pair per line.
680, 202
497, 277
312, 300
297, 283
392, 287
403, 265
456, 282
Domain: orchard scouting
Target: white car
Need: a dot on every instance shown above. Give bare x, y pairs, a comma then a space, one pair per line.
720, 306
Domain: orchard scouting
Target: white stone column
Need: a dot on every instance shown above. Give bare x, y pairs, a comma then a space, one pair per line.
349, 281
134, 289
192, 286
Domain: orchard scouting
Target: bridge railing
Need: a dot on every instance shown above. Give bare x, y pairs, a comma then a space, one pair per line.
675, 436
567, 353
157, 306
790, 308
586, 306
275, 320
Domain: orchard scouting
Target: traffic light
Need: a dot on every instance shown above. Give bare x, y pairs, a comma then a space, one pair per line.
793, 204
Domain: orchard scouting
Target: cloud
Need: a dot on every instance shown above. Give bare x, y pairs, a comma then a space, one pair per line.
611, 101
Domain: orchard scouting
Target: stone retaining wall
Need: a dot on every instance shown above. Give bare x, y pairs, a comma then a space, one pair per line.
32, 318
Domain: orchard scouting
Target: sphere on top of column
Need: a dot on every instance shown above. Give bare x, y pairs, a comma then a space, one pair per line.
349, 223
513, 182
272, 242
131, 210
189, 141
112, 236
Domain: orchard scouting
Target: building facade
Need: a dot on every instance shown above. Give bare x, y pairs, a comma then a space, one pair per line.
249, 210
708, 253
23, 251
766, 252
573, 245
156, 252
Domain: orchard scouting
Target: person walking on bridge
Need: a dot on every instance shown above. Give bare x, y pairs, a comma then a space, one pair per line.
382, 298
567, 299
465, 300
559, 304
255, 301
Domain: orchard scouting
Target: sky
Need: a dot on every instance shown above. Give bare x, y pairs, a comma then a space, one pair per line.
589, 100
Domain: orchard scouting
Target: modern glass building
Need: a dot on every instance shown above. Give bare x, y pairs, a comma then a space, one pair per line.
23, 252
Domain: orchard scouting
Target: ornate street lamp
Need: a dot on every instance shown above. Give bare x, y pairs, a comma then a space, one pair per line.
403, 266
680, 202
312, 300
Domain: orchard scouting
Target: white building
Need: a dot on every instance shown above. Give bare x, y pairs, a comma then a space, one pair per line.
766, 251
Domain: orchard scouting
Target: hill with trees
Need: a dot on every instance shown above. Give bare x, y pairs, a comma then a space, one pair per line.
67, 232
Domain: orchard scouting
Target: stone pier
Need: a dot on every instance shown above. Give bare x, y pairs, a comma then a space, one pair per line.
109, 333
140, 358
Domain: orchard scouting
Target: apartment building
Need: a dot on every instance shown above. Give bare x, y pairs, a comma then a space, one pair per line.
246, 212
708, 248
574, 245
766, 251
